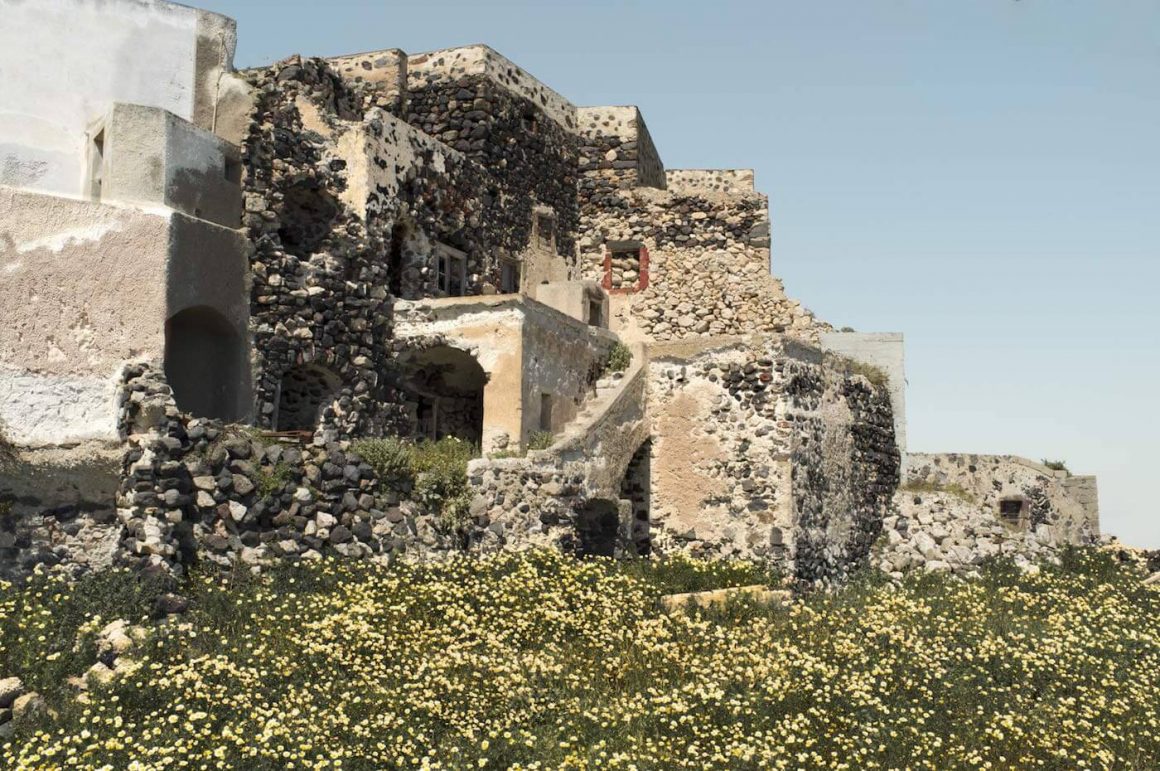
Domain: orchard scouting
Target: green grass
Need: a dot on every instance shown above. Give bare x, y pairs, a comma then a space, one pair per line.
952, 488
534, 658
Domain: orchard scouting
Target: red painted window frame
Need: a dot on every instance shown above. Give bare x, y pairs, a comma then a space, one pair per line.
642, 275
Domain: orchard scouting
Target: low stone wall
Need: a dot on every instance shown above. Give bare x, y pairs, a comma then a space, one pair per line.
1065, 503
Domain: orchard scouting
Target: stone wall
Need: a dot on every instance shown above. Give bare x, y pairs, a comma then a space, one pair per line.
616, 149
767, 448
523, 141
319, 292
1065, 504
708, 263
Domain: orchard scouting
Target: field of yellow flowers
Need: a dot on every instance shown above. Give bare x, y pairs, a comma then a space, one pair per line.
538, 661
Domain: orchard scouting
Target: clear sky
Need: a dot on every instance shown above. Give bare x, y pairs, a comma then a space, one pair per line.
982, 175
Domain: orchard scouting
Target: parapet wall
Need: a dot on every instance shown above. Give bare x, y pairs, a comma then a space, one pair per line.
710, 181
423, 70
617, 149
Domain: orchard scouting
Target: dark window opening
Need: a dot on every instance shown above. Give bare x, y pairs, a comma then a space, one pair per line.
395, 260
303, 394
530, 122
1011, 510
233, 171
97, 165
308, 214
204, 359
546, 231
595, 313
509, 277
545, 412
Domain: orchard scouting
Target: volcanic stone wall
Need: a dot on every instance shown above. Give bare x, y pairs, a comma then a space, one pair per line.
767, 448
318, 294
708, 262
531, 158
845, 463
616, 150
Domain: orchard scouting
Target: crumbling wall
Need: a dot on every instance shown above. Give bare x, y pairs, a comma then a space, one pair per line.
319, 287
845, 461
1065, 505
511, 126
766, 448
708, 272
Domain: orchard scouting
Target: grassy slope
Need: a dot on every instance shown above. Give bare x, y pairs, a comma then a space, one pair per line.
538, 661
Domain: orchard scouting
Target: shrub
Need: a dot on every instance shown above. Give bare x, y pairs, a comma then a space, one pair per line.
389, 456
541, 440
618, 359
271, 479
875, 375
440, 473
1055, 465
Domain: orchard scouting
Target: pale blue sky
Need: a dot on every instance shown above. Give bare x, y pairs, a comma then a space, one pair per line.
982, 175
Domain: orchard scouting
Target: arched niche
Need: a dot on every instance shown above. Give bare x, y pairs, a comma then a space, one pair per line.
205, 363
303, 393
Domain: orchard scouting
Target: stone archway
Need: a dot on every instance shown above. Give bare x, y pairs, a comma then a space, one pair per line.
204, 363
303, 393
445, 388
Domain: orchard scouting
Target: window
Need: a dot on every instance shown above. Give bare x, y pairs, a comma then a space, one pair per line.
546, 231
451, 271
1011, 510
625, 267
545, 412
509, 276
530, 123
595, 312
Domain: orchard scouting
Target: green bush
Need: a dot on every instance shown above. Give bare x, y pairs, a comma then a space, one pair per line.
436, 471
389, 456
271, 479
1055, 465
618, 359
541, 440
440, 474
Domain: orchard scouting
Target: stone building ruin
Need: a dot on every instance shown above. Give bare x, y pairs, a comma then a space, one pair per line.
216, 280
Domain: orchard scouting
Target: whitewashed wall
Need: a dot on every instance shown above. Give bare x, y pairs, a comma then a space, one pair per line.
64, 62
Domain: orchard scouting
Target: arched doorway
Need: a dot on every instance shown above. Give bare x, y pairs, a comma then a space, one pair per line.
635, 487
204, 363
445, 389
598, 528
302, 395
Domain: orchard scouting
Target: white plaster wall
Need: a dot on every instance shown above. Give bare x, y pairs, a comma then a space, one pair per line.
884, 351
62, 64
38, 409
